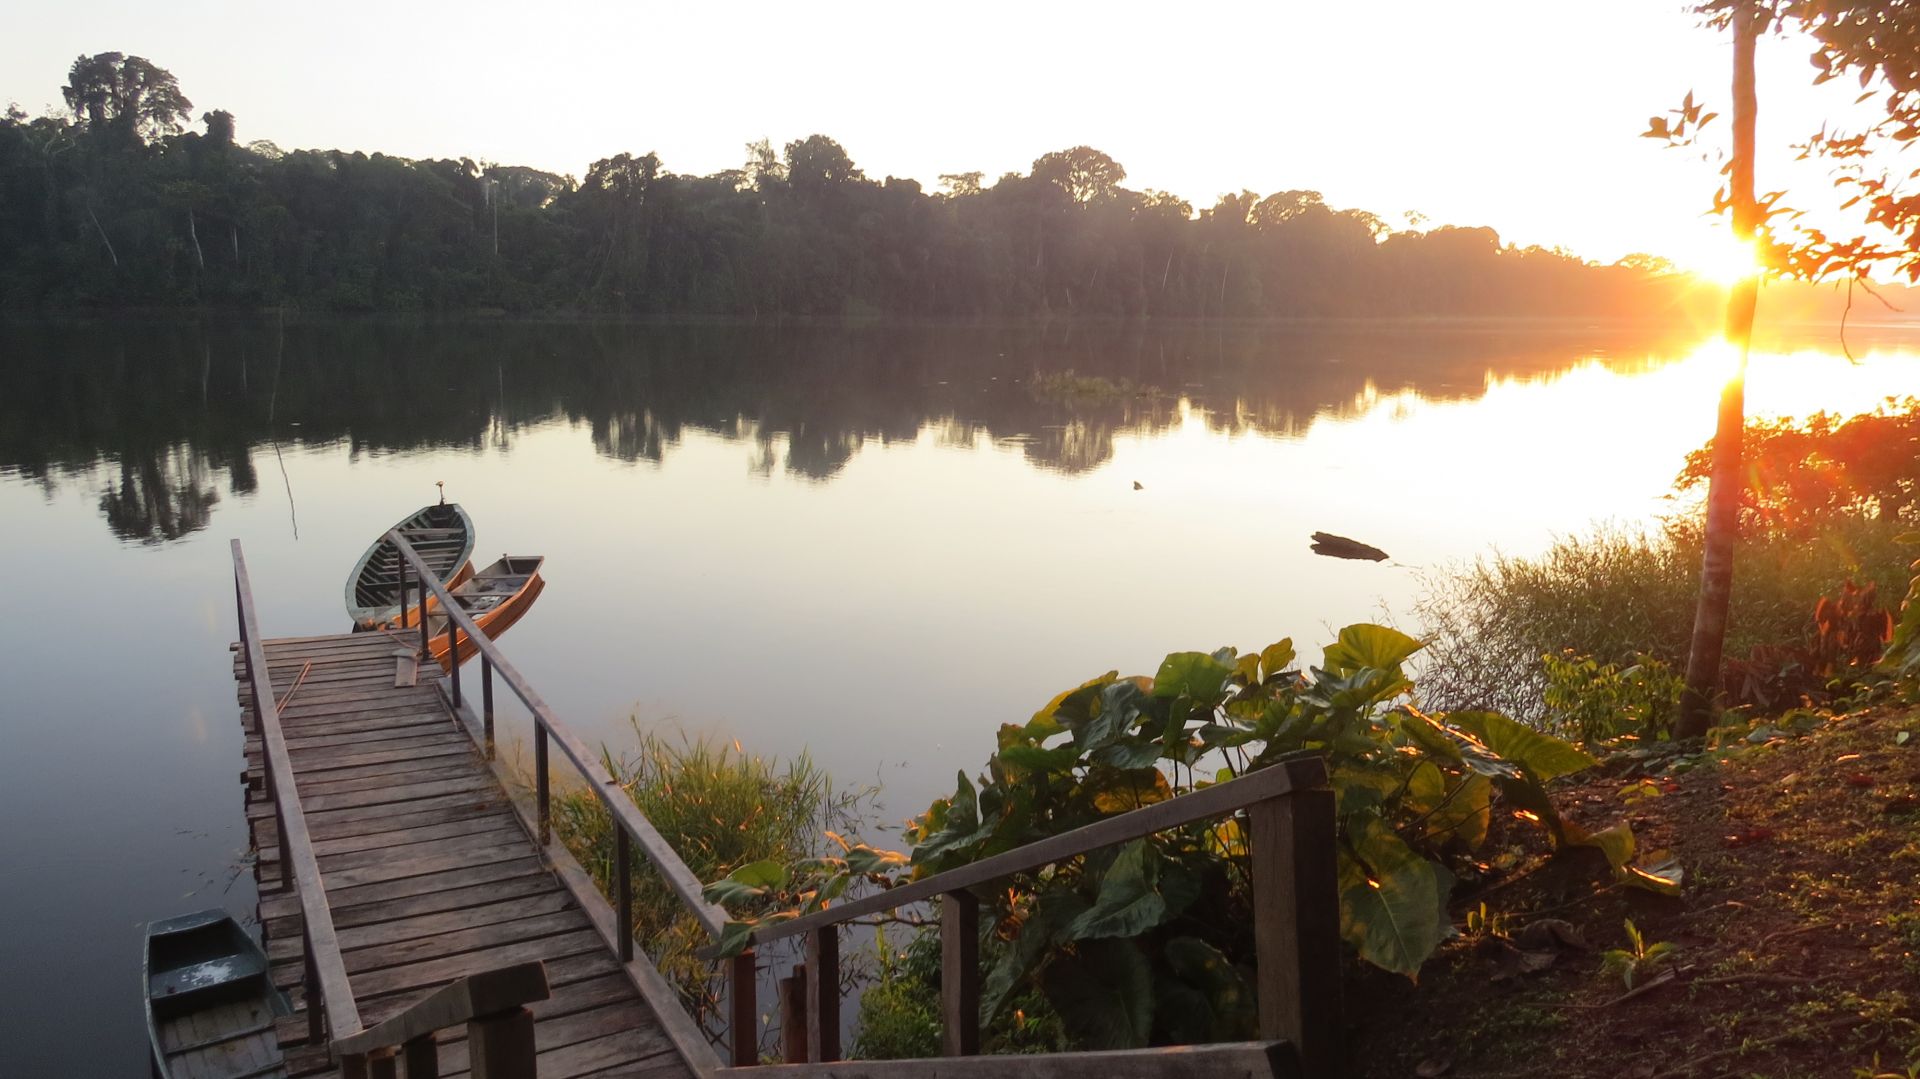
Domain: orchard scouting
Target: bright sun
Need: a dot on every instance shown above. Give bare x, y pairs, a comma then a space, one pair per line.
1721, 259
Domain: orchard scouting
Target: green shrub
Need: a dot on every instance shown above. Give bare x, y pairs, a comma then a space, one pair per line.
900, 1013
719, 808
1615, 595
1150, 941
1588, 701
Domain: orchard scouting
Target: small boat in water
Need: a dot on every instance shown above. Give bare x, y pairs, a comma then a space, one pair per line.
211, 1003
496, 597
442, 535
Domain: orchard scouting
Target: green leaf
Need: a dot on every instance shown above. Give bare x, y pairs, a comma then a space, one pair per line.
1129, 902
1191, 674
1367, 645
1120, 706
1393, 916
1044, 931
1461, 809
1615, 842
1545, 757
1661, 878
1035, 759
1070, 706
733, 938
1117, 791
863, 859
749, 882
1276, 658
1207, 999
1104, 994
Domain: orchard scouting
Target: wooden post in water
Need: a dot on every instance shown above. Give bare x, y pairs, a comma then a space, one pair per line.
1296, 926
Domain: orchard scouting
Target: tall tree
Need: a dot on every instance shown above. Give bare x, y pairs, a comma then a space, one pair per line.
129, 94
1723, 487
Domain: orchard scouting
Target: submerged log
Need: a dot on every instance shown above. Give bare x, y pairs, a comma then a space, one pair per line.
1333, 546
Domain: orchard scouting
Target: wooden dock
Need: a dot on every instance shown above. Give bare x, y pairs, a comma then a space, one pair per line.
426, 869
416, 907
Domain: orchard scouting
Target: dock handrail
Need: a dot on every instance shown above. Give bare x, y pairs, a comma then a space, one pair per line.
491, 1004
1289, 811
329, 996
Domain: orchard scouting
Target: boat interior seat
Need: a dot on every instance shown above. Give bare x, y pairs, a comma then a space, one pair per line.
204, 975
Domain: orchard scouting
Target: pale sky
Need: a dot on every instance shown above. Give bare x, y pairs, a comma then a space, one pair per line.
1519, 114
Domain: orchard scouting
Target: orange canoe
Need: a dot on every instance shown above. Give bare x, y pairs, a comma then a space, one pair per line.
495, 597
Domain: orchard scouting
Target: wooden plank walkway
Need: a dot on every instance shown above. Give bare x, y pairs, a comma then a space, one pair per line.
428, 870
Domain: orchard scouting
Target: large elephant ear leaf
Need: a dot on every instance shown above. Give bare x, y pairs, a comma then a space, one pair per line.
1192, 674
1545, 757
1368, 645
1129, 902
1104, 994
1391, 900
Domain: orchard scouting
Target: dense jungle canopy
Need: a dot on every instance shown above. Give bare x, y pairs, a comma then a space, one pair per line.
116, 203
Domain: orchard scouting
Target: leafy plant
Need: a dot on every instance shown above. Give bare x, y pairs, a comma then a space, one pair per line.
1483, 923
1592, 702
1150, 941
1637, 958
1902, 658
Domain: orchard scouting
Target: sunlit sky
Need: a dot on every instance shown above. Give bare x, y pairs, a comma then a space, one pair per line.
1519, 114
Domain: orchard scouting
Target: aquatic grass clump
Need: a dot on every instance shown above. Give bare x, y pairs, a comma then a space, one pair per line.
1617, 593
720, 808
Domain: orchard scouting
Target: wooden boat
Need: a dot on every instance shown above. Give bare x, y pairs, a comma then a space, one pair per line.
496, 597
442, 534
211, 1003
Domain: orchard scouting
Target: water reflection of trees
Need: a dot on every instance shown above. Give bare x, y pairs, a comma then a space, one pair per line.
166, 409
160, 496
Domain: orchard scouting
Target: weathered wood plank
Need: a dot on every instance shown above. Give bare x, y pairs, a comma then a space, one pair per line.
1225, 1060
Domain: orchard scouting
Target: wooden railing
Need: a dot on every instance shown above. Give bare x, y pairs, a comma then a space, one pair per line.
492, 1005
328, 996
500, 1029
1289, 818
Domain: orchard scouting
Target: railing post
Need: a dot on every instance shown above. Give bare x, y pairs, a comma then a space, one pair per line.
540, 782
500, 1046
793, 1016
422, 1057
316, 999
823, 994
1296, 926
623, 892
486, 701
743, 1024
426, 643
960, 974
453, 660
403, 591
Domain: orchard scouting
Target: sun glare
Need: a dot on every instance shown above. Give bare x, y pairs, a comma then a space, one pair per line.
1722, 260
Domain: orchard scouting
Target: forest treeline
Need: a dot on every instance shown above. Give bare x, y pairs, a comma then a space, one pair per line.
118, 204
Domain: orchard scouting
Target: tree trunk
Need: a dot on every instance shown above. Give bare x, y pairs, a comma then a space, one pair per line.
199, 257
1699, 702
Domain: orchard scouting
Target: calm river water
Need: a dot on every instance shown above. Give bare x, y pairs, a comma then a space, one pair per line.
874, 544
